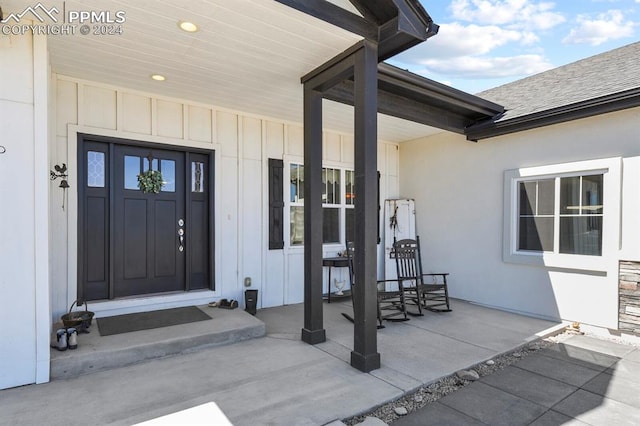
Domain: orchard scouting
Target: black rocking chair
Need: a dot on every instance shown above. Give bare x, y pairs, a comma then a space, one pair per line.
390, 304
432, 295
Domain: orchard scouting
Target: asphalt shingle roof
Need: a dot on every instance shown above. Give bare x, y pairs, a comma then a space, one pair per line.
605, 74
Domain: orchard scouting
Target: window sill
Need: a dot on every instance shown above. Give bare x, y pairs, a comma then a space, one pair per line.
574, 262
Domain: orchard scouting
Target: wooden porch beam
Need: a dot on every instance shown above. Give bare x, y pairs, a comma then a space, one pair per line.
332, 72
407, 109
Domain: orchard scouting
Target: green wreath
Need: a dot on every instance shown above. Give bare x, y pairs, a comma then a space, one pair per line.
150, 182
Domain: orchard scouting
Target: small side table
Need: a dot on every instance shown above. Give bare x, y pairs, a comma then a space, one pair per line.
334, 262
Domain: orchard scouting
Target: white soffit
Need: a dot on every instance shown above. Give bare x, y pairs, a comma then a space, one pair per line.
247, 55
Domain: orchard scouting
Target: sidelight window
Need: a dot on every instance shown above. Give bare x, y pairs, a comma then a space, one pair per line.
95, 169
197, 176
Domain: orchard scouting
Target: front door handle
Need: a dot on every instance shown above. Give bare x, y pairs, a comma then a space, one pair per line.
181, 235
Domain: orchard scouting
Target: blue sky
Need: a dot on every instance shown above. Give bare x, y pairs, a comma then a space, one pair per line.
486, 43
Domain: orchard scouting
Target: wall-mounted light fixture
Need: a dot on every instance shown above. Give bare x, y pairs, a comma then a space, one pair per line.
60, 172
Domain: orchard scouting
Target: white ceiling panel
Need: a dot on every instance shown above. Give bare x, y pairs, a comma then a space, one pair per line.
248, 55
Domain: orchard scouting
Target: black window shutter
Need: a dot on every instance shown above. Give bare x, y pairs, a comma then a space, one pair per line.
276, 204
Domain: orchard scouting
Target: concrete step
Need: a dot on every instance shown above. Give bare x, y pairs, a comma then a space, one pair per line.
97, 353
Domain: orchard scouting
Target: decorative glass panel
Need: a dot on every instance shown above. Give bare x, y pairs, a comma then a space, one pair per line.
95, 169
350, 185
297, 226
197, 176
168, 170
131, 172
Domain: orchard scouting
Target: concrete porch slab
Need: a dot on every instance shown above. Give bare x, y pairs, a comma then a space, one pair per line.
97, 353
278, 379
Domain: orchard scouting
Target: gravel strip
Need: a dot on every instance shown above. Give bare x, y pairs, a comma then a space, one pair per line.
446, 385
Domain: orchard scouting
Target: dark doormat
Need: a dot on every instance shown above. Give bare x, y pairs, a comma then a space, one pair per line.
148, 320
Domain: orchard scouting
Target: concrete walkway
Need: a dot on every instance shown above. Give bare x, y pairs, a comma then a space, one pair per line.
277, 379
581, 381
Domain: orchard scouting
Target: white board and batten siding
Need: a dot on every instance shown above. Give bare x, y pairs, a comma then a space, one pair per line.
242, 143
24, 223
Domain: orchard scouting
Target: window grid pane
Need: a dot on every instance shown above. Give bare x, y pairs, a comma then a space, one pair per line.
131, 172
350, 186
350, 224
296, 191
296, 229
330, 225
536, 215
581, 235
331, 186
168, 170
592, 194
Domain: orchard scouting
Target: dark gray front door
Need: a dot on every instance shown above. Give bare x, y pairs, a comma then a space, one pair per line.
149, 255
131, 242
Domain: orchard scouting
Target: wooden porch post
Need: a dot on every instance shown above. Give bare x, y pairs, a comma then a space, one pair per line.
365, 356
313, 331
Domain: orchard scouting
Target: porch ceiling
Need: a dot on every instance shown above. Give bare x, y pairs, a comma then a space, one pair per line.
248, 56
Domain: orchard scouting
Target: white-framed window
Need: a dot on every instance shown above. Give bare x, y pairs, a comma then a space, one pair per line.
337, 204
562, 215
570, 205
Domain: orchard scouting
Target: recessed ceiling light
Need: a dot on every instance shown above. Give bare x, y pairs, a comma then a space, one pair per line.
187, 26
158, 77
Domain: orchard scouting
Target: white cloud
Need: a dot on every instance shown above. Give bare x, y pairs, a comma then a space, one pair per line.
514, 13
607, 26
488, 67
455, 40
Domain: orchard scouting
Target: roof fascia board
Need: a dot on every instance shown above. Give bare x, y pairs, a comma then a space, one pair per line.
413, 16
335, 15
401, 33
414, 8
435, 90
589, 108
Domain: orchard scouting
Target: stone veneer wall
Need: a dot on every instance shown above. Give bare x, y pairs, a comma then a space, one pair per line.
629, 296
